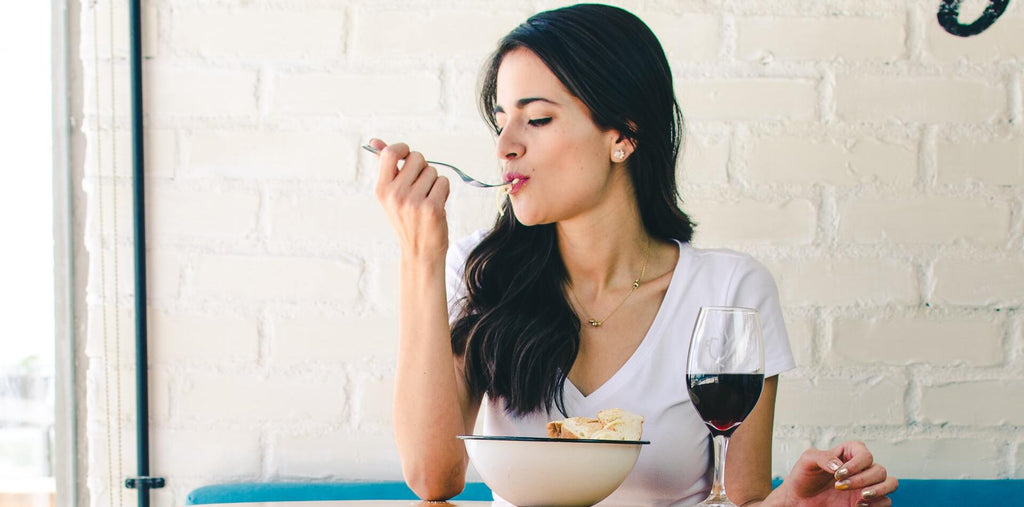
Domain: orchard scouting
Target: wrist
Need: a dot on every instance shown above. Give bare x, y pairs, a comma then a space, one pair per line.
779, 497
418, 261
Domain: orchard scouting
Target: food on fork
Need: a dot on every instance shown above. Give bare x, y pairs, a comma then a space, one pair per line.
610, 424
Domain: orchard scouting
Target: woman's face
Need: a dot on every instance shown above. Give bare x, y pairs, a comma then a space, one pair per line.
549, 142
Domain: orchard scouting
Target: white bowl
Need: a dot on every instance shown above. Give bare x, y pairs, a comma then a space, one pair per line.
528, 471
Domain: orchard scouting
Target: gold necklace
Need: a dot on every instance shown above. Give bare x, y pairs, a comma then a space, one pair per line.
636, 285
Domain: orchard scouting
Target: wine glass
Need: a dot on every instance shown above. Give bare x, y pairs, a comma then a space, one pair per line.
724, 375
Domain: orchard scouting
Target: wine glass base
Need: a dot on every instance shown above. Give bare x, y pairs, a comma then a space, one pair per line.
716, 503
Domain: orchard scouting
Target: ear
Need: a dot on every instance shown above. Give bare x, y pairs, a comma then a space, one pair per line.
621, 149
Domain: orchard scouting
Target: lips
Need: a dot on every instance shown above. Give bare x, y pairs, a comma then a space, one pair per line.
515, 181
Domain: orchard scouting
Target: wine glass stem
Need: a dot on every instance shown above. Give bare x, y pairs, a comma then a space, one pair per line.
718, 487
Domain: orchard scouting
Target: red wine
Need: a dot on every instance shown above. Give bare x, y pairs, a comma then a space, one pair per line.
724, 400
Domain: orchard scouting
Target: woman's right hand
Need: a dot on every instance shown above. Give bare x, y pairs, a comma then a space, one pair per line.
414, 198
431, 404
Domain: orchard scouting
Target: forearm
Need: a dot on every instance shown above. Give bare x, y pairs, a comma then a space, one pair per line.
749, 461
427, 405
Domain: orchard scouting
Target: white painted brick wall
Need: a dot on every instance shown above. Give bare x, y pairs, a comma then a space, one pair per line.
846, 282
269, 155
689, 37
919, 99
258, 34
185, 91
250, 278
799, 160
929, 457
972, 282
929, 340
747, 99
996, 162
835, 401
928, 220
974, 403
788, 222
424, 33
872, 161
184, 336
849, 38
348, 94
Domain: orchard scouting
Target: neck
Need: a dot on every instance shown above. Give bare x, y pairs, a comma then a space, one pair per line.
605, 249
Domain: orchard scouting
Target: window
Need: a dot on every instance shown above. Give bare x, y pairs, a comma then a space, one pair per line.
27, 303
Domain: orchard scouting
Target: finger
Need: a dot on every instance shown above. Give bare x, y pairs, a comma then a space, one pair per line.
388, 162
377, 144
857, 457
439, 192
880, 502
878, 491
411, 170
875, 474
424, 181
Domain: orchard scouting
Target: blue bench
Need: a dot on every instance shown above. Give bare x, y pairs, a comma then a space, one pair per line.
305, 491
955, 492
930, 492
959, 492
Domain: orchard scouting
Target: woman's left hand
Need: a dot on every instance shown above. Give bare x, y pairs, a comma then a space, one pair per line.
846, 475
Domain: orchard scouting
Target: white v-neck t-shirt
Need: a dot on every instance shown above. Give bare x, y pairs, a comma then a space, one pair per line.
675, 468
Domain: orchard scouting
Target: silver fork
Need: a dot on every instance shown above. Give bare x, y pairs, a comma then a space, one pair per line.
463, 176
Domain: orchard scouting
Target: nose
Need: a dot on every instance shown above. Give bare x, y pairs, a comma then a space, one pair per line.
509, 147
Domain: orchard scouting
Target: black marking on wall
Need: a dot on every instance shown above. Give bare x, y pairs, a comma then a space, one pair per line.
949, 12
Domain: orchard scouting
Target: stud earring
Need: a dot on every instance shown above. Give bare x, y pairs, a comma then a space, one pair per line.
619, 155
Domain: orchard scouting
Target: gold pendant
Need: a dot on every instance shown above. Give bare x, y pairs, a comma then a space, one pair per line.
594, 323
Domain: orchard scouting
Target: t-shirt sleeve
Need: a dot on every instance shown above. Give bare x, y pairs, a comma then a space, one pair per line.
754, 287
455, 266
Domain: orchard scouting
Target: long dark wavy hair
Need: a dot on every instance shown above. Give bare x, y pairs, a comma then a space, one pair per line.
516, 329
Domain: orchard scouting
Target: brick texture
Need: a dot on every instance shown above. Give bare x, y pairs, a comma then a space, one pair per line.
928, 220
356, 94
971, 403
846, 282
258, 34
798, 160
788, 222
932, 100
270, 155
839, 37
827, 402
971, 282
922, 458
261, 278
748, 99
999, 162
918, 340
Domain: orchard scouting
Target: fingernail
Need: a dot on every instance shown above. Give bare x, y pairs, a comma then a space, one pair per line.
867, 493
834, 465
843, 485
842, 473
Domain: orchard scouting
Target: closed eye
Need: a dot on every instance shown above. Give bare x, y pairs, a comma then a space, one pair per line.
539, 122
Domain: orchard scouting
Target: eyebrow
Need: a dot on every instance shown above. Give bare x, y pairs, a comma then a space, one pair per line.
521, 103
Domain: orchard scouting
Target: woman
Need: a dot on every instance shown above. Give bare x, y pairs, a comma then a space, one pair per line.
582, 295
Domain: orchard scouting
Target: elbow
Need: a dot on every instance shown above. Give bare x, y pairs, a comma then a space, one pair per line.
433, 483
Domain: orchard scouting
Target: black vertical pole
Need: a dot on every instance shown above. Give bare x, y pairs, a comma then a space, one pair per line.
143, 482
